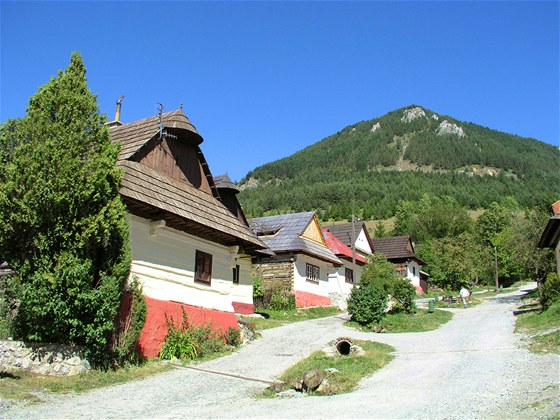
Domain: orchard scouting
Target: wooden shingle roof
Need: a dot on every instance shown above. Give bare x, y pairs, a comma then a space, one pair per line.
395, 248
225, 182
133, 136
282, 233
146, 190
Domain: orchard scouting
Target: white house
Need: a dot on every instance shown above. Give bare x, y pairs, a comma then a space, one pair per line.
302, 262
190, 251
342, 280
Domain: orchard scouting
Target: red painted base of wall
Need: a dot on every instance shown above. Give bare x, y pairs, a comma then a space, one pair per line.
155, 328
243, 308
308, 300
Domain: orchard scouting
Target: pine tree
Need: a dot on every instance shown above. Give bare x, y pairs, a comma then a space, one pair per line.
63, 225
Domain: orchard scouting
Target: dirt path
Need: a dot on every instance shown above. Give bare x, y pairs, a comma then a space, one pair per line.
472, 367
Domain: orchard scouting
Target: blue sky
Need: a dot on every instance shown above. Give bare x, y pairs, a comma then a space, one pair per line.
262, 80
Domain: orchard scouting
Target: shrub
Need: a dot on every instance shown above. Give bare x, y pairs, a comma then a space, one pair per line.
179, 342
233, 337
282, 300
550, 290
258, 287
63, 225
130, 325
404, 294
382, 274
188, 341
366, 304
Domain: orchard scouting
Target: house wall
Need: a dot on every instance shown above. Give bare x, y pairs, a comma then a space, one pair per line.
163, 260
310, 294
362, 243
178, 159
275, 271
413, 274
339, 289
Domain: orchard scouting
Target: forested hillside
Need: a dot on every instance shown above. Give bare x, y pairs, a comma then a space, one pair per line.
375, 164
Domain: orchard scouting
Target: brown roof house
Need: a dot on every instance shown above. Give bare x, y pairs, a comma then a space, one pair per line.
302, 262
550, 237
191, 245
400, 251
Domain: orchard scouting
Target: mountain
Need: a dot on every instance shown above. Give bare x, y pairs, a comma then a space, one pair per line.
372, 165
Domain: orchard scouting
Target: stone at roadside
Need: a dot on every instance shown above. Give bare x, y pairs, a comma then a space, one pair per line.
312, 379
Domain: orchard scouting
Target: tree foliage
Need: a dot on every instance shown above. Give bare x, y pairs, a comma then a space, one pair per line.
367, 303
63, 226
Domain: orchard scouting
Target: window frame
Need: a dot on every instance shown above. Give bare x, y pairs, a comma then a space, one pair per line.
346, 276
312, 273
235, 274
205, 259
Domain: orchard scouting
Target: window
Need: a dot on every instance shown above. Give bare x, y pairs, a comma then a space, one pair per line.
312, 273
236, 274
349, 275
414, 271
203, 267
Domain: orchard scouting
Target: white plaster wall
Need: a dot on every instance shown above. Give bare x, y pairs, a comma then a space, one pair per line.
337, 278
362, 243
414, 278
557, 252
300, 282
163, 259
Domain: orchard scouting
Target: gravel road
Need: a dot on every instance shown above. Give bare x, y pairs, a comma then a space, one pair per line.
472, 367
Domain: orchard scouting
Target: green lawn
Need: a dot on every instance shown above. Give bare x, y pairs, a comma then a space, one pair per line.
421, 321
272, 319
541, 328
343, 373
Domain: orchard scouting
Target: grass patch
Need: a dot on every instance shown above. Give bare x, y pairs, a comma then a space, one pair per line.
342, 373
34, 388
274, 319
421, 321
542, 328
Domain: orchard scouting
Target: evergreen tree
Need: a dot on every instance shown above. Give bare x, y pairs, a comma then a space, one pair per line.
63, 225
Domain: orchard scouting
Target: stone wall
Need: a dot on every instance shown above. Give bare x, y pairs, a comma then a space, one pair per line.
280, 272
41, 358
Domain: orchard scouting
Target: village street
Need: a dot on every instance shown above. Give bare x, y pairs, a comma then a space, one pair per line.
472, 367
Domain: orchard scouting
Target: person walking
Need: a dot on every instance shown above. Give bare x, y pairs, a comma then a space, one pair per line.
464, 293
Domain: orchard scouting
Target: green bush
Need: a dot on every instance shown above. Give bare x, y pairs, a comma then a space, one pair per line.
179, 341
367, 303
188, 341
282, 300
63, 225
258, 287
233, 337
130, 325
404, 294
550, 290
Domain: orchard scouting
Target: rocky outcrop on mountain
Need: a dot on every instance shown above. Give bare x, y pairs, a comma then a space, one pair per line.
375, 127
447, 127
411, 114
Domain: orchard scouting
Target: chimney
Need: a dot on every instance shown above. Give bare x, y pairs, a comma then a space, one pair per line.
116, 122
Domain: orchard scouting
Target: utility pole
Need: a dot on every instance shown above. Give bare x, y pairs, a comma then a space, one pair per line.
496, 268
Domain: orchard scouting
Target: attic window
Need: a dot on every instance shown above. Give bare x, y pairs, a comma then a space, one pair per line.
268, 232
